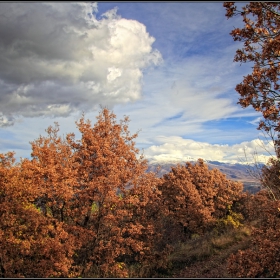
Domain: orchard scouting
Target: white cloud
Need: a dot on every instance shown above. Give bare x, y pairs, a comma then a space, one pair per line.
256, 121
175, 148
57, 58
180, 97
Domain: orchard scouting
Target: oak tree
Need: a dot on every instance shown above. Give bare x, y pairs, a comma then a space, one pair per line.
31, 244
260, 89
197, 197
80, 207
261, 47
114, 197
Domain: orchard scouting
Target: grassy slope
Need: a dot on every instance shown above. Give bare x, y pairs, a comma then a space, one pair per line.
206, 257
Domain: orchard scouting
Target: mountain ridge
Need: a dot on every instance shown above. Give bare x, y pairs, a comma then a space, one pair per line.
244, 173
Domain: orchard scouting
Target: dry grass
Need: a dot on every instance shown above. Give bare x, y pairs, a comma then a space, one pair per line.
191, 251
207, 256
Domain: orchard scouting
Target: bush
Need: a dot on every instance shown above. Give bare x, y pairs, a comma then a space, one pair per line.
197, 198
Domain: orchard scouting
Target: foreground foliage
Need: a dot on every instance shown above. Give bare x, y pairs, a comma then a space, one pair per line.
79, 207
88, 208
261, 259
260, 89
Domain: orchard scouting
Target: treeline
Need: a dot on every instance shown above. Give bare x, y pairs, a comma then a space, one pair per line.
87, 208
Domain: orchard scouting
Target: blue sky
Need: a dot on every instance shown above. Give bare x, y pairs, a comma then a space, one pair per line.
167, 65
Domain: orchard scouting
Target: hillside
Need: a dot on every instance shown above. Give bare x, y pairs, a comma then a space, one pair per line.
206, 257
235, 172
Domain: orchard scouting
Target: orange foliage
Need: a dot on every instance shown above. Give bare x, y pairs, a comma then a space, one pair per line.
262, 259
260, 89
261, 38
197, 197
31, 245
80, 207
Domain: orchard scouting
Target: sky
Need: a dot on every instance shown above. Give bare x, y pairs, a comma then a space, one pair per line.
167, 65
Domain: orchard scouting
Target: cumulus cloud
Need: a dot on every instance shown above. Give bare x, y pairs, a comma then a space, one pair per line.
57, 58
177, 149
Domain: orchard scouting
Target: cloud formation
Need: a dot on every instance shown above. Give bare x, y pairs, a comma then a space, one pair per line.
177, 149
181, 98
57, 58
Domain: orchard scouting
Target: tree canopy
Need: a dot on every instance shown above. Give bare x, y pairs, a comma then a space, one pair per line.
79, 207
261, 47
260, 89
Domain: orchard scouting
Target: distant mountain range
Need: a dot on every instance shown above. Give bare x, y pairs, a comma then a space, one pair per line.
236, 172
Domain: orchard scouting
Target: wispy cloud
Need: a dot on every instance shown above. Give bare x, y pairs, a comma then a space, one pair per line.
255, 122
179, 99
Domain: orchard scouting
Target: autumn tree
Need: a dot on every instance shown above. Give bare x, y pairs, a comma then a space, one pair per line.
261, 38
197, 197
262, 258
260, 89
92, 195
31, 244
